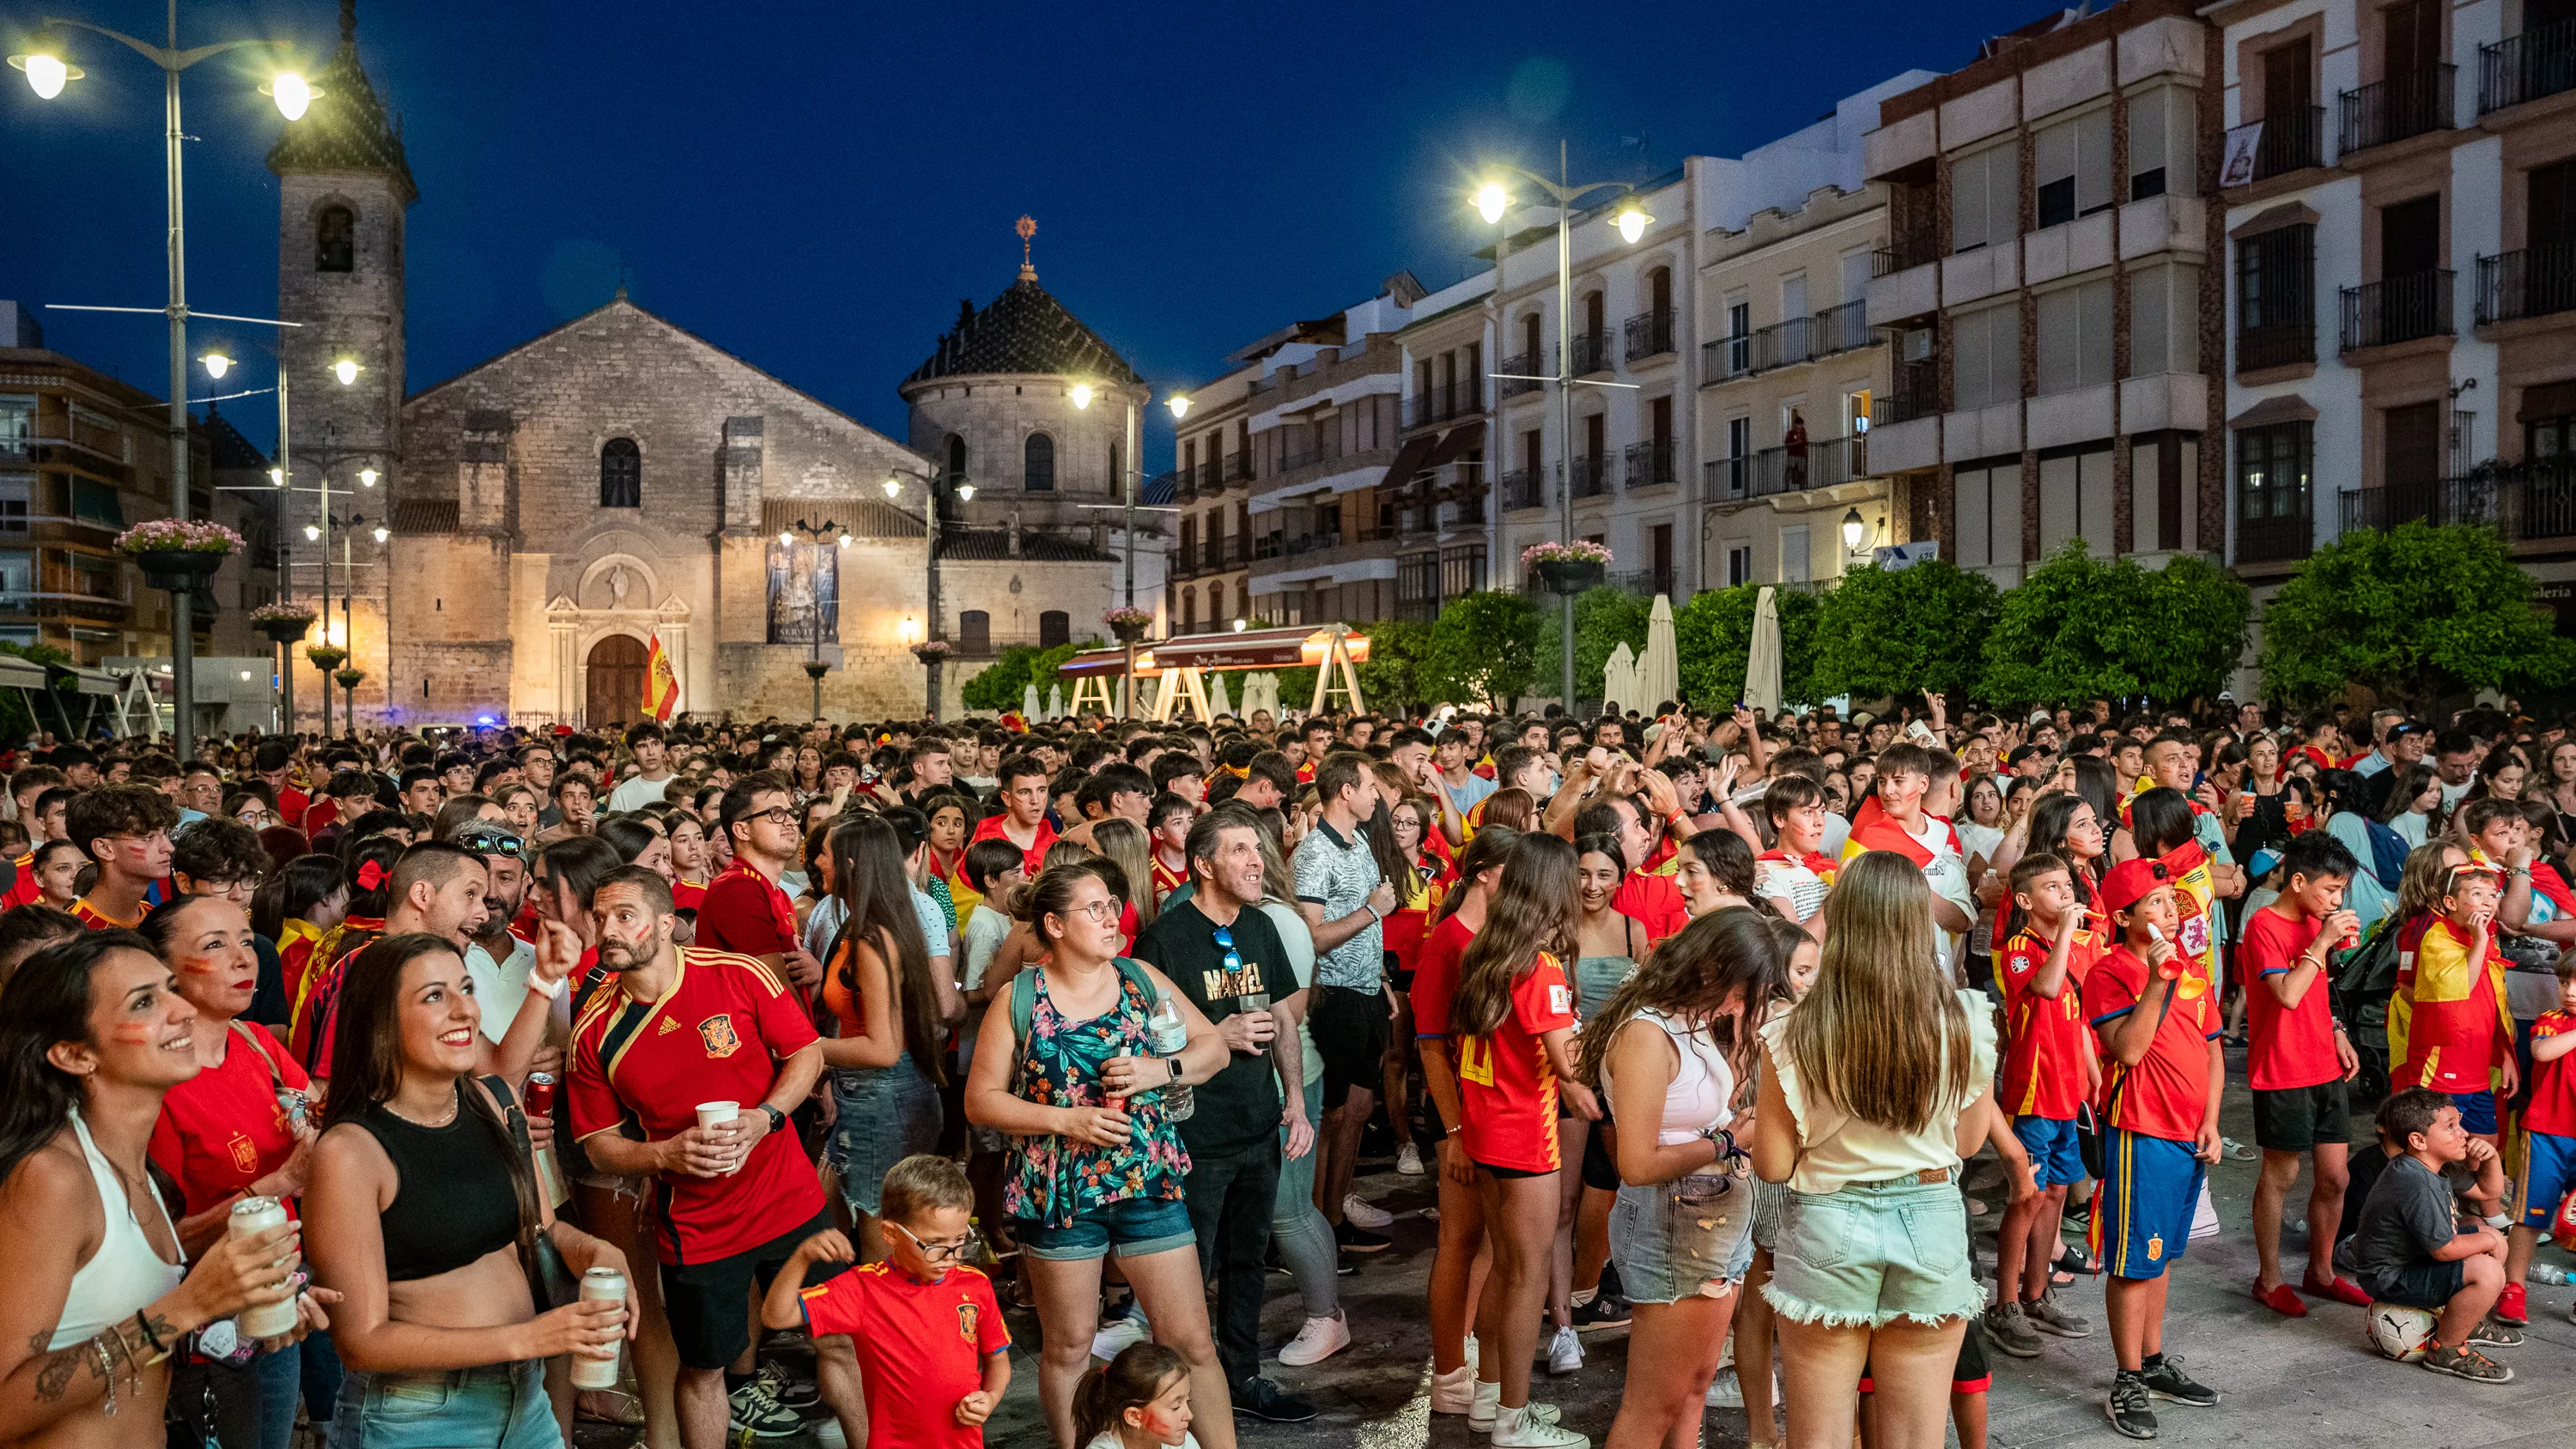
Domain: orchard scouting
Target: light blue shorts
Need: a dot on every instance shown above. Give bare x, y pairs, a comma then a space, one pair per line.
1688, 1238
499, 1406
1873, 1253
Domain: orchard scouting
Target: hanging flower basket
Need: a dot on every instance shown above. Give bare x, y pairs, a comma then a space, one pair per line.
1568, 568
932, 651
176, 554
350, 678
1129, 624
282, 623
326, 657
816, 669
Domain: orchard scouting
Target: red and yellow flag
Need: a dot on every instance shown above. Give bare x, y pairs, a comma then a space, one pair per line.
661, 685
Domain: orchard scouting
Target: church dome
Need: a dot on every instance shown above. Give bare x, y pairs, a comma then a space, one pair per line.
1026, 330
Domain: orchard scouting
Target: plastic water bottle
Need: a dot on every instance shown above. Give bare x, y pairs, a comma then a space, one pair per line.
2547, 1273
1171, 1036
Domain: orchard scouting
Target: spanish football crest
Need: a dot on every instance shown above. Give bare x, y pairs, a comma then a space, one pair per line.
717, 1032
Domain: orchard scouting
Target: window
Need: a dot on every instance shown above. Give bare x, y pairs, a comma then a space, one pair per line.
1055, 626
2075, 502
621, 474
335, 239
1462, 571
975, 632
2072, 161
1739, 564
2162, 125
1739, 336
1794, 549
17, 572
1417, 586
1189, 611
17, 491
2410, 445
2164, 320
1037, 464
1659, 548
2275, 298
1985, 197
1739, 454
2272, 477
17, 422
97, 503
2075, 337
1242, 599
956, 460
1988, 503
1985, 360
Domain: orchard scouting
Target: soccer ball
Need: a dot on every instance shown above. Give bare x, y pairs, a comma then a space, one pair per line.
2400, 1332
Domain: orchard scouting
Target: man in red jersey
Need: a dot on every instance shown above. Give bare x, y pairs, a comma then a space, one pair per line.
744, 910
677, 1027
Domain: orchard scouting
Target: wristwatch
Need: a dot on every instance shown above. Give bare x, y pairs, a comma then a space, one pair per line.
1176, 1067
777, 1119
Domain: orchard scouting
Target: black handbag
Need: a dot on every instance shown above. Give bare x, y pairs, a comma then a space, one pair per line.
551, 1282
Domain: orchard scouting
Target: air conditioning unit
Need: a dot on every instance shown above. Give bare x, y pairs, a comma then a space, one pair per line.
1915, 345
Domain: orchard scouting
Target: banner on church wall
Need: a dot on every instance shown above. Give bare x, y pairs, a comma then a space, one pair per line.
804, 592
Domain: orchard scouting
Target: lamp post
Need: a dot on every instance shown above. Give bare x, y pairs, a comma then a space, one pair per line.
814, 667
1132, 477
48, 72
931, 526
1492, 201
348, 593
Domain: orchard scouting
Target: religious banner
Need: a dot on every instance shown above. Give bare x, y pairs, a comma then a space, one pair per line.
804, 593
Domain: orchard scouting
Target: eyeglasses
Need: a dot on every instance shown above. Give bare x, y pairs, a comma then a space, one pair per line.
1101, 912
775, 815
942, 1252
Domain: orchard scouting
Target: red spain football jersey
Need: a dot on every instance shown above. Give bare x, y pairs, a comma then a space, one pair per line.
717, 1035
744, 911
2044, 1060
1506, 1085
921, 1347
2167, 1092
2553, 1084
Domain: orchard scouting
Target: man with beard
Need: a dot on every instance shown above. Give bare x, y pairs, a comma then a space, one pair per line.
497, 960
676, 1027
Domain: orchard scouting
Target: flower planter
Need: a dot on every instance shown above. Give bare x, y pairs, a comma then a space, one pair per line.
816, 669
284, 631
327, 657
350, 678
1570, 576
177, 570
1128, 633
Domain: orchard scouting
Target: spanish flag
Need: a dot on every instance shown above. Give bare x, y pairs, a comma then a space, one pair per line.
661, 684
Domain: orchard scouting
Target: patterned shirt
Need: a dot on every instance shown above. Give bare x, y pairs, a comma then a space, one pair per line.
1338, 873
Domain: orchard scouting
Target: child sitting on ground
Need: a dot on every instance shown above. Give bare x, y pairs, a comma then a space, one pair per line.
1138, 1400
934, 1355
2411, 1250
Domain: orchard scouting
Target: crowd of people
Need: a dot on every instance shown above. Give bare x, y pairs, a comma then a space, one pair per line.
729, 1081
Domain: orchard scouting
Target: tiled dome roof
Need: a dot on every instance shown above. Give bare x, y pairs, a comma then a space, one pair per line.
346, 128
1025, 330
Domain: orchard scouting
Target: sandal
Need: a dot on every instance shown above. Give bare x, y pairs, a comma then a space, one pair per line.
628, 1413
2073, 1262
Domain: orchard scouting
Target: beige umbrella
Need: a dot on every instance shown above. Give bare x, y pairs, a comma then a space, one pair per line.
1659, 674
1619, 679
1762, 662
1217, 701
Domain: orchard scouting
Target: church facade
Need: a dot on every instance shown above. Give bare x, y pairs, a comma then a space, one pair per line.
552, 512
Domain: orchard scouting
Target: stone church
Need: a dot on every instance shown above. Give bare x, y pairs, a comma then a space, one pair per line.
553, 510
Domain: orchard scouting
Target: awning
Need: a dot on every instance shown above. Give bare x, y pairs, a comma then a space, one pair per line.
16, 673
1454, 444
1410, 459
87, 681
1253, 649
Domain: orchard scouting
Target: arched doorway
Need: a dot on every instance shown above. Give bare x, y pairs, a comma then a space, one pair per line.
613, 693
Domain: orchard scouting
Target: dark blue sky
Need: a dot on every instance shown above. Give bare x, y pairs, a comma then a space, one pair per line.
814, 186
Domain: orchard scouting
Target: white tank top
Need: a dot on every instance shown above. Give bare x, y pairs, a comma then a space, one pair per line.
125, 1274
1702, 1086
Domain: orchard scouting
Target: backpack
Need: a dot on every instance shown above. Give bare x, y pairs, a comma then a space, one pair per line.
2387, 853
1024, 995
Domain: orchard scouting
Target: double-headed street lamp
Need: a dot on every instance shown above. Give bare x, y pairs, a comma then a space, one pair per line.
1492, 200
814, 666
933, 484
348, 591
49, 70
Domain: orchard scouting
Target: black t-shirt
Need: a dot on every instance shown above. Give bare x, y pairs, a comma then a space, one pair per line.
2407, 1216
1240, 1105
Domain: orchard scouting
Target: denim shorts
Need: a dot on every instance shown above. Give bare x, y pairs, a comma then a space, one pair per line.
1875, 1252
1138, 1227
498, 1406
880, 1116
1688, 1238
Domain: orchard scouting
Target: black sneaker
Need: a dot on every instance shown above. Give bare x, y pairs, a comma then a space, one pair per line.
2128, 1406
1356, 1239
1343, 1266
798, 1395
1263, 1399
1603, 1311
2167, 1381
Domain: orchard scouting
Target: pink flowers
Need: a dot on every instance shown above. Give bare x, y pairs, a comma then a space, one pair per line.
1581, 551
184, 535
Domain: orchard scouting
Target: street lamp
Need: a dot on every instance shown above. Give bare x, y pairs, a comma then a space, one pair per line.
1491, 201
814, 666
1853, 527
48, 71
1179, 403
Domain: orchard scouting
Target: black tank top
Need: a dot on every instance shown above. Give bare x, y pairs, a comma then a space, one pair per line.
455, 1201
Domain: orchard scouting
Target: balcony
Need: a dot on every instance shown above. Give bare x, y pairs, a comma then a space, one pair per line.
1238, 468
1825, 462
2522, 501
2396, 108
1524, 373
2527, 67
2285, 539
2292, 140
1592, 477
1466, 512
1915, 393
1650, 335
1308, 457
2276, 344
1591, 353
1442, 405
2397, 309
2534, 282
1524, 488
1650, 464
1785, 344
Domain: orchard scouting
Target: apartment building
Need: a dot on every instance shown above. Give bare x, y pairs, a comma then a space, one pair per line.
2401, 297
2047, 283
1441, 489
1209, 580
1793, 366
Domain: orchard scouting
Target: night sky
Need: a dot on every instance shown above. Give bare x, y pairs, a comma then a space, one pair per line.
814, 186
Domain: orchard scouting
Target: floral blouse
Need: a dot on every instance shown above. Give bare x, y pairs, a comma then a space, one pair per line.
1055, 1179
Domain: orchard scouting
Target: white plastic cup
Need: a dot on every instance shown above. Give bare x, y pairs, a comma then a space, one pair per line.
712, 1113
250, 1216
597, 1285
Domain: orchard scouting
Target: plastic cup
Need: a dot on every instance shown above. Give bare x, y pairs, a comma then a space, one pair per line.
711, 1114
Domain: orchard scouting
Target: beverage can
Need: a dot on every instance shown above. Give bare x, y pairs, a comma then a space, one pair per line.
599, 1285
538, 1100
298, 1110
253, 1215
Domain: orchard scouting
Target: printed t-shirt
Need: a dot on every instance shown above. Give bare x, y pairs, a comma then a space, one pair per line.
1033, 855
717, 1034
2553, 1084
1166, 880
1506, 1087
1652, 901
1801, 880
2044, 1062
746, 913
222, 1129
2447, 1024
2167, 1093
1418, 894
686, 895
1237, 1108
2291, 1046
921, 1347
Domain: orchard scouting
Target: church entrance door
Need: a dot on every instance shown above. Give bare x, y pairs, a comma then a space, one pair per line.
614, 690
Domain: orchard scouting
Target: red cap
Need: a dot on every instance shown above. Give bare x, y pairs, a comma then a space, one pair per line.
2132, 881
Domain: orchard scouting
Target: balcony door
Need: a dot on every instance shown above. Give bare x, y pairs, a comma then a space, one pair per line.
2410, 466
2412, 30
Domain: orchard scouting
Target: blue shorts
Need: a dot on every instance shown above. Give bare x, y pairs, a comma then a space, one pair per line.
1138, 1227
2055, 1160
2142, 1210
2548, 1171
2477, 1112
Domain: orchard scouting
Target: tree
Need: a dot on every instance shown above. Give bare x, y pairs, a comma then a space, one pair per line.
2417, 612
1884, 633
1713, 633
1485, 646
1001, 683
2081, 628
1604, 619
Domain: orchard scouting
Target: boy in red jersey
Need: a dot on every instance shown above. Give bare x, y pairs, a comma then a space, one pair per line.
2156, 1013
2298, 1062
926, 1328
2048, 1073
2549, 1141
126, 830
744, 911
2449, 1027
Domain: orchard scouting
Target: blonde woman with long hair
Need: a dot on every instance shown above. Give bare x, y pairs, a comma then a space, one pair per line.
1132, 851
1868, 1086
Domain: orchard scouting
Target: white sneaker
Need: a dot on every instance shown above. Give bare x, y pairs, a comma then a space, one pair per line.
1118, 1336
1408, 1160
1485, 1403
1318, 1340
1564, 1352
1362, 1213
1524, 1429
1453, 1392
1726, 1391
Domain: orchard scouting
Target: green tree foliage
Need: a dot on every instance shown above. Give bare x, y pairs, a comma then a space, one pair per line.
1001, 683
1485, 647
1884, 633
2083, 628
1714, 634
1604, 619
2417, 611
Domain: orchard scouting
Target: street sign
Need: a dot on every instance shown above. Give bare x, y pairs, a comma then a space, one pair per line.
1895, 556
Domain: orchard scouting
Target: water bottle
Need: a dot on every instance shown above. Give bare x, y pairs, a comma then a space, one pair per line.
1171, 1036
2546, 1273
